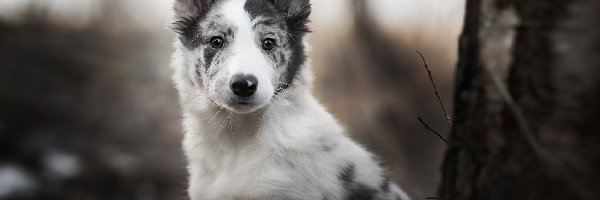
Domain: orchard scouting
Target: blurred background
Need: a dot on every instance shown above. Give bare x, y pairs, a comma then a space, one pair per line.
88, 110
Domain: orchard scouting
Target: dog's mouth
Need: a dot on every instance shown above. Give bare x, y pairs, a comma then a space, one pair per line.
242, 106
242, 103
245, 103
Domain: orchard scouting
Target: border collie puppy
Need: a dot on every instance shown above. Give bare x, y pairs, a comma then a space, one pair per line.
253, 129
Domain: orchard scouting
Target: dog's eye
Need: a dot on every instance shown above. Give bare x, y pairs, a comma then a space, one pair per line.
268, 44
216, 42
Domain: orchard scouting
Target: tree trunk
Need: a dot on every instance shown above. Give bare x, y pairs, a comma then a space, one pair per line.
527, 102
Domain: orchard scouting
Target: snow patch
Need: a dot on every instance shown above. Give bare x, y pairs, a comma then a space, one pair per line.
14, 181
61, 165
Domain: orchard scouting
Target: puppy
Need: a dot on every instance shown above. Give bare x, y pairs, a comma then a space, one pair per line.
253, 129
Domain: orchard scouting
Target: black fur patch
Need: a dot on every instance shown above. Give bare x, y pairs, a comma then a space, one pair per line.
209, 55
355, 190
263, 8
347, 175
186, 27
297, 59
297, 12
385, 185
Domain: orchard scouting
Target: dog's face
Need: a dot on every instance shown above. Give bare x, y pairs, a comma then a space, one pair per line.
244, 51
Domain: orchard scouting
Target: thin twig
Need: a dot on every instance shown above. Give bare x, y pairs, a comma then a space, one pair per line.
432, 130
437, 93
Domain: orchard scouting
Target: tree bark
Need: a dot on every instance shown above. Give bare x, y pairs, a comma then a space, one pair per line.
527, 102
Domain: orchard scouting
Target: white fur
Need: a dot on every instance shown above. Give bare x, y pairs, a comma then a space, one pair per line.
290, 148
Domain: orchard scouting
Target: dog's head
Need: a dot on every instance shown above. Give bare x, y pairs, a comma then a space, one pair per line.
241, 53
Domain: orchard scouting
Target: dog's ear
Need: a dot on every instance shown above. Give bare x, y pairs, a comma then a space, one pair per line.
190, 8
188, 13
297, 12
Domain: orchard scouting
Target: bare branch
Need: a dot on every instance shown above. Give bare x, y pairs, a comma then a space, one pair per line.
437, 93
426, 126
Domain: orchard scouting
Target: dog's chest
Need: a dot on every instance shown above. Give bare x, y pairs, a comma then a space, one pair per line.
260, 175
243, 175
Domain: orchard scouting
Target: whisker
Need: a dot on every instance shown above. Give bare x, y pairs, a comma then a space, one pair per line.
215, 115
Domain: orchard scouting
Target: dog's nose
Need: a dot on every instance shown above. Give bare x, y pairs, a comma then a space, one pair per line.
244, 85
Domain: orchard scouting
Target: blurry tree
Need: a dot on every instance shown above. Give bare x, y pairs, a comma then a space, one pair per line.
527, 102
84, 114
